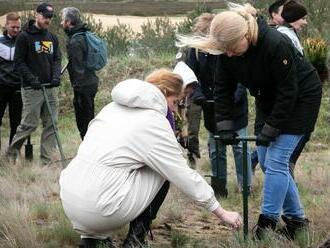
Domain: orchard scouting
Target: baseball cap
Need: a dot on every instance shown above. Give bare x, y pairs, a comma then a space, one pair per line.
46, 10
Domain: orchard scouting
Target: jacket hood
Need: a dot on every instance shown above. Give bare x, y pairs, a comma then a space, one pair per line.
288, 25
263, 27
32, 29
135, 93
188, 76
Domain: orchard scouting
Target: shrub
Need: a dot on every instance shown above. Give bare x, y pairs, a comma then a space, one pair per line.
316, 50
185, 26
157, 36
119, 39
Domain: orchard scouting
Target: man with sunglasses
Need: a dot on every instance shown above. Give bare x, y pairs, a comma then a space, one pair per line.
38, 60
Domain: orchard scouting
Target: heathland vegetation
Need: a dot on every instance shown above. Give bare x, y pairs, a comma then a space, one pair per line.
30, 210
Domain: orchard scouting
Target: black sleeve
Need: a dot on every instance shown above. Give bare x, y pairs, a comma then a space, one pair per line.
21, 50
76, 50
224, 95
283, 73
56, 67
240, 93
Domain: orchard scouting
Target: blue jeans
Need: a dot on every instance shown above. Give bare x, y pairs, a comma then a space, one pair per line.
280, 191
221, 170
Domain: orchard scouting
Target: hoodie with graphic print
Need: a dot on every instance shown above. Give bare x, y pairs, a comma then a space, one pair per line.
38, 56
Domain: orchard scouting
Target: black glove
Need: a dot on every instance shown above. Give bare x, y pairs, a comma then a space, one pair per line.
35, 84
228, 137
267, 135
55, 83
264, 140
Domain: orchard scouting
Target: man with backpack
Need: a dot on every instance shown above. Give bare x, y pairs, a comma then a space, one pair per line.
82, 66
38, 60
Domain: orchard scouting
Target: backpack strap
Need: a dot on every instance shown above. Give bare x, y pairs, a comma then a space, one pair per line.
76, 34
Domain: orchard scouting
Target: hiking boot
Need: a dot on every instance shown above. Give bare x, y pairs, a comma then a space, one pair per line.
136, 234
219, 187
293, 226
263, 224
95, 243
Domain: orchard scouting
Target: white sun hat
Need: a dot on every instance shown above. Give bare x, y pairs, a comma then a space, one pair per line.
187, 74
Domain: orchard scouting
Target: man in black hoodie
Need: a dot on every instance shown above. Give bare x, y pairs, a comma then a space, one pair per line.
38, 60
83, 80
10, 82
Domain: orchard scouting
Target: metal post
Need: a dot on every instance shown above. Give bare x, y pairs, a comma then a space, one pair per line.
245, 192
244, 140
217, 160
54, 126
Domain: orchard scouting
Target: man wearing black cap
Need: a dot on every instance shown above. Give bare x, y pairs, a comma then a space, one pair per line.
38, 60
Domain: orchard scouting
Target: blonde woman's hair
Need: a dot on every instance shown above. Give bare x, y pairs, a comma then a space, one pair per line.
227, 28
202, 24
168, 82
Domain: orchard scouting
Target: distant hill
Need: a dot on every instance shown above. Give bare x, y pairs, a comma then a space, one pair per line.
140, 7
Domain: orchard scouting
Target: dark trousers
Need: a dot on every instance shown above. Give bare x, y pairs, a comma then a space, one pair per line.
83, 103
12, 97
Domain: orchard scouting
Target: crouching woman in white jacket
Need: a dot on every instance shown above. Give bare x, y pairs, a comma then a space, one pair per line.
118, 175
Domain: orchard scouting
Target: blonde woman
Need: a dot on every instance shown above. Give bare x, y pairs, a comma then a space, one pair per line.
204, 66
287, 91
118, 175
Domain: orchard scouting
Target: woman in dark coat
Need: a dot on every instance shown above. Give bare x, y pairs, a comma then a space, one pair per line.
204, 66
288, 94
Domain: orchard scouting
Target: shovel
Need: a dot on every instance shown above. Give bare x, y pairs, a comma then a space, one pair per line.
43, 88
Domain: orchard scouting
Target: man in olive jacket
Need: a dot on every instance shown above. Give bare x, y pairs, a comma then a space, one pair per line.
83, 80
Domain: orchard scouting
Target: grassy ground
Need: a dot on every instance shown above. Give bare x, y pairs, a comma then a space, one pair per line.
31, 214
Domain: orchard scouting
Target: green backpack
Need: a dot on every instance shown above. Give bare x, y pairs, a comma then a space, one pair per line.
97, 52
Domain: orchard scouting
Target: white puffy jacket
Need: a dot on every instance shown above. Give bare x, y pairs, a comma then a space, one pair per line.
127, 154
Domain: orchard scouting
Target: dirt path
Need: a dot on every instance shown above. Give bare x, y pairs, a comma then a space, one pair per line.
110, 20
